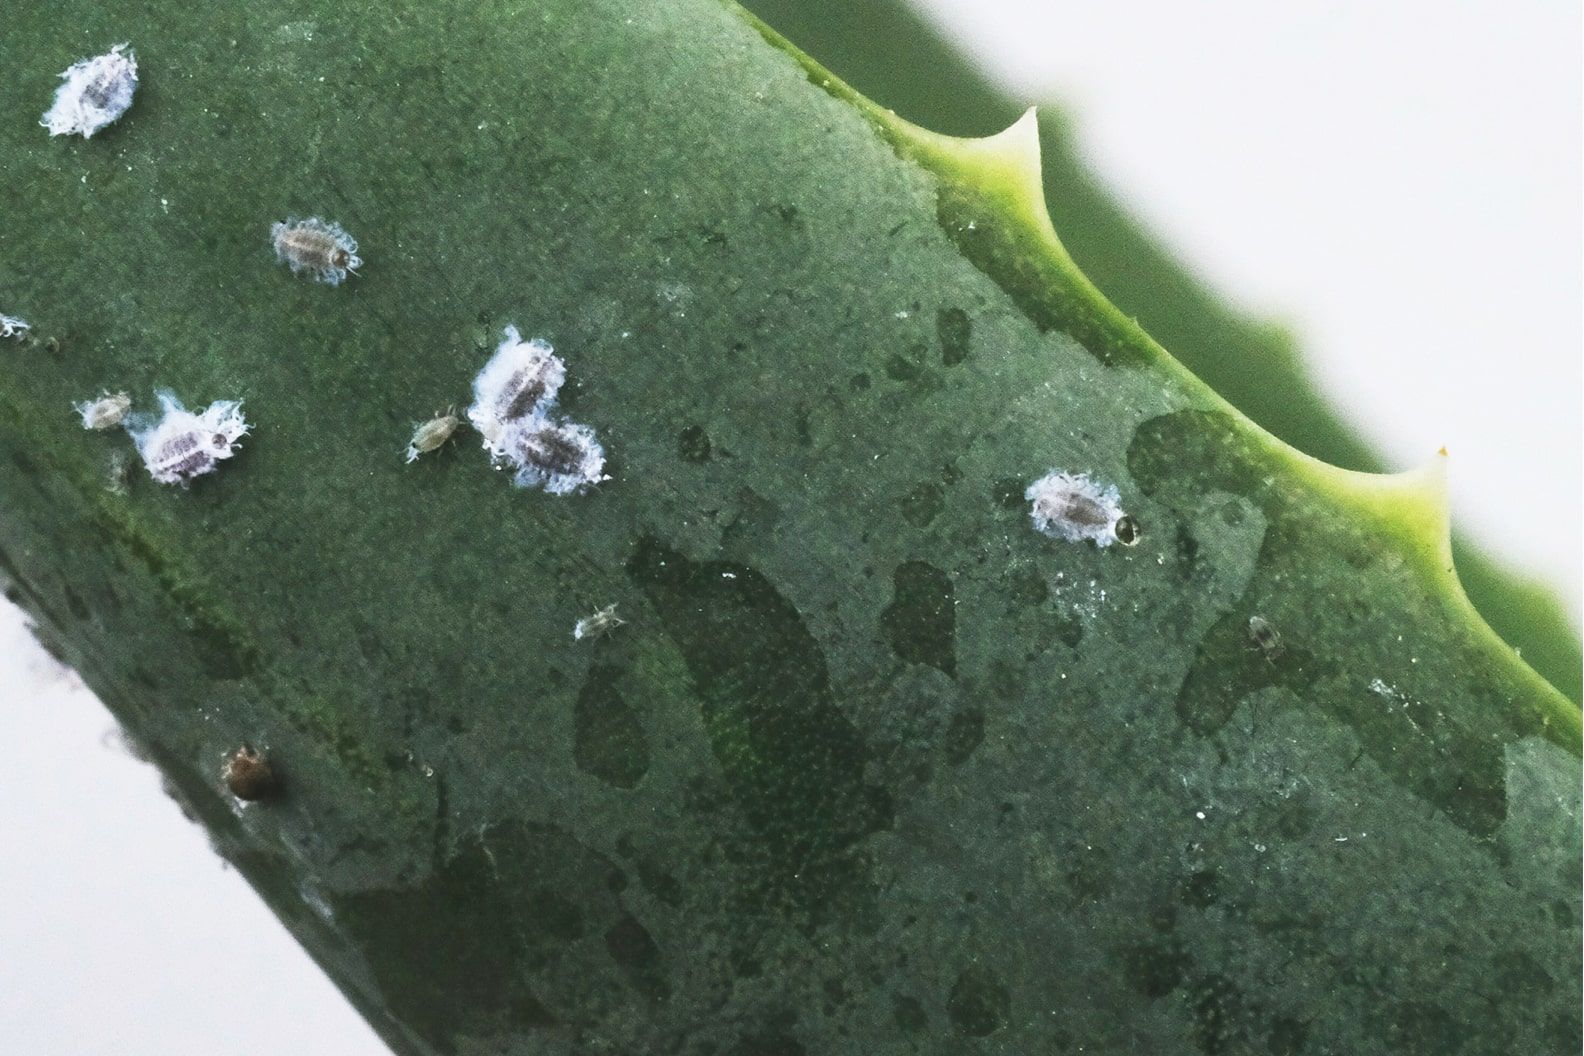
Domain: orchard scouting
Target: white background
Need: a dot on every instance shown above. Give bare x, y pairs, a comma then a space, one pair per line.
1401, 181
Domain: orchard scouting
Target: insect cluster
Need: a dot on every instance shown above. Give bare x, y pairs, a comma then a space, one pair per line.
513, 397
1072, 507
97, 91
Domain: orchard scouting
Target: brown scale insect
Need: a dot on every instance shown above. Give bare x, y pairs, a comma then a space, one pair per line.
248, 775
319, 247
1264, 637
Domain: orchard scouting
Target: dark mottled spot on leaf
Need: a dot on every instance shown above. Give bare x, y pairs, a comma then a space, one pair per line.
608, 740
979, 1003
908, 1013
923, 504
1421, 1028
693, 444
1007, 493
794, 762
920, 624
956, 333
899, 368
1154, 969
458, 952
964, 733
635, 953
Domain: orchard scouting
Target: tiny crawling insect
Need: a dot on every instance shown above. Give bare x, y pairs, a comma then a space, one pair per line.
1127, 530
10, 326
182, 445
521, 380
599, 624
431, 435
96, 92
248, 775
106, 412
321, 248
1264, 637
1072, 507
561, 457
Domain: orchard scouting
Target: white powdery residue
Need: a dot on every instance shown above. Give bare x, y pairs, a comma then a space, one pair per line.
10, 326
561, 457
181, 445
520, 382
106, 412
1072, 507
96, 92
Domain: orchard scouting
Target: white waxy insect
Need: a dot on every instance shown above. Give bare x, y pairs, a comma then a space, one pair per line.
561, 457
1072, 507
599, 624
520, 381
107, 412
10, 326
432, 435
181, 445
96, 92
318, 247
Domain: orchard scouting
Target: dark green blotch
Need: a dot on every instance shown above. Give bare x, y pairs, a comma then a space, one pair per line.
979, 1003
956, 332
608, 740
920, 624
964, 733
693, 445
1154, 969
923, 504
636, 954
793, 761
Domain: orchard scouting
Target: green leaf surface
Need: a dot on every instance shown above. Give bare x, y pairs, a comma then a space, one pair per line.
873, 766
885, 50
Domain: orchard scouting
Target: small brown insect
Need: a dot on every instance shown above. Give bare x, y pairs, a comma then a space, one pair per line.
1127, 530
1264, 637
248, 775
432, 435
319, 247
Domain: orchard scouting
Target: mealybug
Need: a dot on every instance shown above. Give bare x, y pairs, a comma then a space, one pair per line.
106, 412
248, 775
1264, 637
432, 434
182, 445
13, 327
96, 92
321, 248
561, 457
598, 625
1070, 506
521, 380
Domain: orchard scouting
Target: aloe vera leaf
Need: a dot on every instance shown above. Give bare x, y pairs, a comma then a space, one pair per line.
873, 766
884, 49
